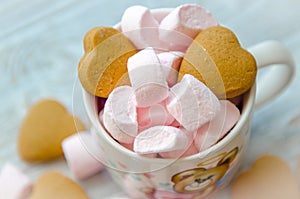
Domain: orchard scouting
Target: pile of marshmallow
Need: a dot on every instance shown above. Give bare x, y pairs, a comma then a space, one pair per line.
156, 116
168, 31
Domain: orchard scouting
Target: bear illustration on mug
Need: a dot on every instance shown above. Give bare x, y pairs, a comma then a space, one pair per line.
201, 181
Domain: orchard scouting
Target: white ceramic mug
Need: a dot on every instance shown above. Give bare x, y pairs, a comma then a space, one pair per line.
199, 175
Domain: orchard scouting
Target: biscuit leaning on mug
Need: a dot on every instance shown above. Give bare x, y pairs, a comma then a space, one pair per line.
104, 64
94, 37
216, 58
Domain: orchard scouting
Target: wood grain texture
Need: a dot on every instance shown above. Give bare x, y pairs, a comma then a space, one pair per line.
41, 44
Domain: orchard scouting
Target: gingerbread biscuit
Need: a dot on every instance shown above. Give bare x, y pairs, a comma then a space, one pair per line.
104, 64
44, 128
270, 176
94, 37
55, 185
216, 58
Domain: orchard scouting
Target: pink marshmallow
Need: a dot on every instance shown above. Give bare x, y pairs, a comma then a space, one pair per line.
159, 139
176, 124
159, 16
189, 150
139, 25
119, 114
178, 48
155, 115
130, 147
13, 183
170, 62
213, 131
147, 78
192, 103
81, 151
183, 24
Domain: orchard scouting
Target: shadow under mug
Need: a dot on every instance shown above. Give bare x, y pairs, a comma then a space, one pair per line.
199, 175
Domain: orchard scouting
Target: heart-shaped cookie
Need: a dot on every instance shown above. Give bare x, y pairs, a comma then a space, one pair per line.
52, 185
44, 128
97, 35
216, 58
94, 37
104, 64
269, 177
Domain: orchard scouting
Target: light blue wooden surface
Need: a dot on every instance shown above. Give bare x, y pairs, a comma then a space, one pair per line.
41, 43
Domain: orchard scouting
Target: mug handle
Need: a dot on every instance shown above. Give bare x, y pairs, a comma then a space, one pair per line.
278, 77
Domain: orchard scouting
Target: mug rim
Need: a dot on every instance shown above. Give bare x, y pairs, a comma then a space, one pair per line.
248, 104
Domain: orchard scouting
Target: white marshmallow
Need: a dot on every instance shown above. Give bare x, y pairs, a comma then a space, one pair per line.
170, 62
192, 103
140, 27
130, 147
147, 78
81, 152
183, 24
159, 16
160, 139
119, 114
213, 131
155, 115
13, 183
189, 150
